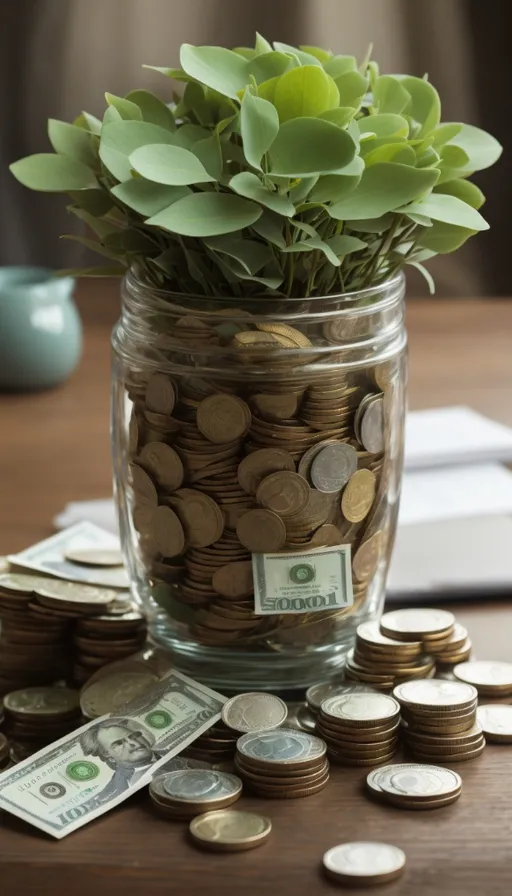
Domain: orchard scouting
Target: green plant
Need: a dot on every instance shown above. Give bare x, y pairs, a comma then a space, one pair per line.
277, 169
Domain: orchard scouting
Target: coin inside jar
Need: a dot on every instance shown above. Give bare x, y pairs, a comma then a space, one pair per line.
254, 712
364, 863
284, 493
230, 830
333, 466
223, 417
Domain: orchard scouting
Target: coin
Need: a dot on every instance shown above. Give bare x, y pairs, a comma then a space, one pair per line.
289, 793
179, 763
372, 426
143, 486
317, 693
333, 466
361, 710
42, 703
261, 531
234, 579
363, 863
200, 785
230, 830
223, 418
413, 624
367, 557
436, 693
164, 463
415, 781
167, 532
496, 721
252, 712
490, 678
358, 496
284, 493
281, 747
256, 466
109, 694
160, 395
200, 516
300, 717
95, 557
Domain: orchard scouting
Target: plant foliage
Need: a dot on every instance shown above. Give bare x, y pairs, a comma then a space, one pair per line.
276, 170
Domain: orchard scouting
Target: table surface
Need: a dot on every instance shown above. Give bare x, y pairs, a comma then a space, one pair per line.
55, 448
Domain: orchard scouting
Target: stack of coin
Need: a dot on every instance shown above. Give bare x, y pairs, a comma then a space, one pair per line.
216, 745
363, 864
182, 794
434, 628
100, 640
384, 662
37, 716
360, 729
456, 650
282, 763
440, 723
491, 679
317, 693
34, 648
415, 786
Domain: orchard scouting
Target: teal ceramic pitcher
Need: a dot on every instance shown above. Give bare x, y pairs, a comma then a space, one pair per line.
40, 330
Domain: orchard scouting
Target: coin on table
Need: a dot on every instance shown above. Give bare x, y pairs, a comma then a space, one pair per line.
414, 781
201, 786
487, 676
358, 496
229, 830
361, 710
415, 623
261, 531
281, 747
435, 693
372, 426
223, 418
95, 557
75, 593
42, 703
284, 493
254, 712
333, 466
496, 721
317, 693
259, 464
364, 863
20, 583
109, 694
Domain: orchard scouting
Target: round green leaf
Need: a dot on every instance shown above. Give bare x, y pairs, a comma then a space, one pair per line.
52, 173
449, 209
152, 109
340, 116
424, 106
310, 146
267, 89
126, 109
444, 238
333, 187
121, 138
352, 87
207, 214
482, 149
340, 65
164, 164
259, 124
249, 185
391, 152
305, 91
216, 67
303, 58
268, 65
390, 95
73, 142
386, 124
383, 188
462, 189
320, 54
146, 197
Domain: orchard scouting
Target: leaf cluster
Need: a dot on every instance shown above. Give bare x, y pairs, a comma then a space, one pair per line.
276, 170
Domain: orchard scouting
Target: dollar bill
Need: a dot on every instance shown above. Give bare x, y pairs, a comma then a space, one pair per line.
88, 772
49, 556
305, 582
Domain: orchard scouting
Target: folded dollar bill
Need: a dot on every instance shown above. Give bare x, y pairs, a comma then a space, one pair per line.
88, 772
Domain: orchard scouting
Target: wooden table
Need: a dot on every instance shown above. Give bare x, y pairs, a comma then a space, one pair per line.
54, 448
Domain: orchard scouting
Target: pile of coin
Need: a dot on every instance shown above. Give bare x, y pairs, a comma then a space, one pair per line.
451, 652
384, 662
317, 693
183, 794
55, 630
491, 679
440, 721
282, 763
363, 864
414, 786
37, 716
222, 470
359, 729
216, 745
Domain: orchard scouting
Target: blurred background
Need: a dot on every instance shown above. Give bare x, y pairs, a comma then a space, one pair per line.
58, 57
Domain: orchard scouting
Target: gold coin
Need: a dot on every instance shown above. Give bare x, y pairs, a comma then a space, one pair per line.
160, 395
496, 722
275, 407
229, 830
200, 516
234, 579
364, 863
223, 417
358, 496
289, 793
284, 493
261, 531
260, 464
367, 557
298, 338
164, 463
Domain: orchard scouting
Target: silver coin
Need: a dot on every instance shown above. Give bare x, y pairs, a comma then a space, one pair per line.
417, 621
333, 466
414, 780
435, 692
180, 763
496, 721
317, 693
372, 427
370, 633
371, 862
361, 707
254, 712
200, 785
282, 745
300, 718
485, 673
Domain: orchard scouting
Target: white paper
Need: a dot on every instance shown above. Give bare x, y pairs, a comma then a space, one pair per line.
455, 492
454, 435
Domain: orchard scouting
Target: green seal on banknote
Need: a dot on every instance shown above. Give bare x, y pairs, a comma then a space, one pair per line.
82, 770
302, 573
159, 719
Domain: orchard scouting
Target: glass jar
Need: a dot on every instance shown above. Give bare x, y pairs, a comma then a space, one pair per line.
258, 451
